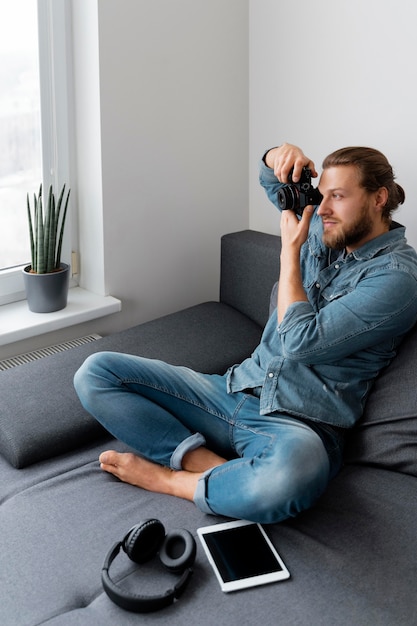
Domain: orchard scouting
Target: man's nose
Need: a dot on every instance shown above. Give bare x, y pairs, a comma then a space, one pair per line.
324, 207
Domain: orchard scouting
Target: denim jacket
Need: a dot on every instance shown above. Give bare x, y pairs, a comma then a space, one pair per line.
320, 362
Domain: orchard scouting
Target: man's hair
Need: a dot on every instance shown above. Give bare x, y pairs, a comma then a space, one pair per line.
375, 172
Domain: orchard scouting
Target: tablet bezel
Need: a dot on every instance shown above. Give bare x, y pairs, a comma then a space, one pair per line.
281, 573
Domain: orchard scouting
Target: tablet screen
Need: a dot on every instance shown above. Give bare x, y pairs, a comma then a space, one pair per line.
241, 553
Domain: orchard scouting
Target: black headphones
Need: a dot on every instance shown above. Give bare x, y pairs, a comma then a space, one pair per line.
177, 552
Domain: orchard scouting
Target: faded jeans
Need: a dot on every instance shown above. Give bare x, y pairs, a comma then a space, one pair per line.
277, 465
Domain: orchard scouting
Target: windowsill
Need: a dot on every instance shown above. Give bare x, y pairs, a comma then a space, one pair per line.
18, 323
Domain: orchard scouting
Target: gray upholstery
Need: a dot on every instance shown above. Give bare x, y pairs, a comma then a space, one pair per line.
33, 425
387, 435
351, 557
254, 258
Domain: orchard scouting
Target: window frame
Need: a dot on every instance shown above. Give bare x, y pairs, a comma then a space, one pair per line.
55, 68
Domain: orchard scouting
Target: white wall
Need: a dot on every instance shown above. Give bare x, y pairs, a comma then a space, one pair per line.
329, 74
174, 137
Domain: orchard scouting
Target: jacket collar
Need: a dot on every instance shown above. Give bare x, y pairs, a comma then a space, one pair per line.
373, 247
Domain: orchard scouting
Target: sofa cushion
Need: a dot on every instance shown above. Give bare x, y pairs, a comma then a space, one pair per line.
386, 436
40, 414
349, 556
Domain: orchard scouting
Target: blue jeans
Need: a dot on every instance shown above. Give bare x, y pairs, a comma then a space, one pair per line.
277, 465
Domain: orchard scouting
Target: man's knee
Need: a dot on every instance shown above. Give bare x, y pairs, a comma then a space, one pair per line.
88, 371
283, 490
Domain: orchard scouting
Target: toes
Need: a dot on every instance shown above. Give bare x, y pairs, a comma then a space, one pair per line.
109, 457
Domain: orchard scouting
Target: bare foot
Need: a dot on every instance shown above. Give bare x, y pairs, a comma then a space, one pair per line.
140, 472
132, 469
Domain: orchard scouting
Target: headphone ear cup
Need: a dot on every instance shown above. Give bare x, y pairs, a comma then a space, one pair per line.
143, 541
178, 551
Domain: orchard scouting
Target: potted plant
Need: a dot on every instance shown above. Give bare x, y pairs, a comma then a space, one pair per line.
47, 279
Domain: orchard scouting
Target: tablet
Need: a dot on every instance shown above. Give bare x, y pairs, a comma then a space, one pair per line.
241, 555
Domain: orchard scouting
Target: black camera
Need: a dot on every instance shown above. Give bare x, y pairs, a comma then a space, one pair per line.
296, 196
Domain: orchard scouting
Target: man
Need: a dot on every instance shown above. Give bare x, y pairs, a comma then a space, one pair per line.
263, 441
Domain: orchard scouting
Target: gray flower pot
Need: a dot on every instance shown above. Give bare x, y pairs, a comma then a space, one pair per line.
47, 292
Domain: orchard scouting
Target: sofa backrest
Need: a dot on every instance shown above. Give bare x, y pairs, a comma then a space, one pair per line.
249, 269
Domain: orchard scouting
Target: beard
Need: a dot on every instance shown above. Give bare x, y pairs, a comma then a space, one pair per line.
352, 234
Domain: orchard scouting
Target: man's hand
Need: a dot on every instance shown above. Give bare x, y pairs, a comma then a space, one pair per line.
286, 157
294, 231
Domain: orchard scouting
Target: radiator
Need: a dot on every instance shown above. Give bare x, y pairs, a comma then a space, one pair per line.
29, 357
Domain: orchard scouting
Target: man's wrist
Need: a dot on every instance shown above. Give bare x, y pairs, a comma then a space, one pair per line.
264, 158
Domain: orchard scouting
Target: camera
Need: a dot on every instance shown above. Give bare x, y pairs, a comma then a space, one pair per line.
296, 196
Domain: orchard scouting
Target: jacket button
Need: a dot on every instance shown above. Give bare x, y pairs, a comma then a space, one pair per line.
270, 375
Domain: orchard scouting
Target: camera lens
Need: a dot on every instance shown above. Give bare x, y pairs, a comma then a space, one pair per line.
289, 197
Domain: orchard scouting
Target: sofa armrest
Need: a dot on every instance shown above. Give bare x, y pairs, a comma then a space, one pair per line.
249, 270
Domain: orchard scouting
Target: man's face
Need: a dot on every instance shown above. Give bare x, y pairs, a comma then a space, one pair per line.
346, 210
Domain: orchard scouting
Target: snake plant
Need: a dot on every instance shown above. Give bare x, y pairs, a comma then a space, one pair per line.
46, 229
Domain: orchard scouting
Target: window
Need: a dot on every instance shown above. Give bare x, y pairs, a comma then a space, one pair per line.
34, 120
20, 157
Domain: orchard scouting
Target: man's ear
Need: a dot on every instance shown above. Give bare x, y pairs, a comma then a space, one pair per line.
381, 198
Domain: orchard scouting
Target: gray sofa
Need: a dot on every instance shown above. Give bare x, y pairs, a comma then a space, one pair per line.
352, 558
